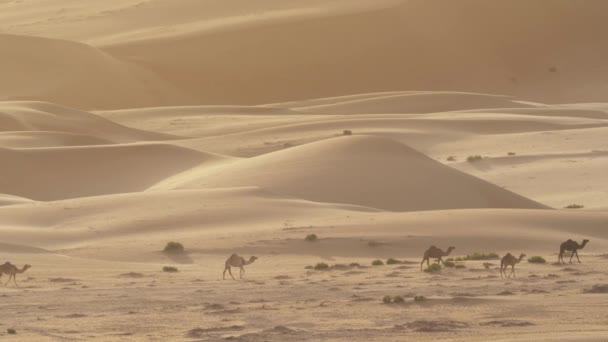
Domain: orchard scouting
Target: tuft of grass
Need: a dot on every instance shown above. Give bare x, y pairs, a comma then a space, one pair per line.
398, 300
482, 256
387, 300
511, 153
377, 262
433, 268
449, 263
419, 298
311, 237
574, 206
321, 266
347, 132
173, 247
451, 158
537, 260
170, 269
392, 261
11, 331
354, 264
460, 266
474, 158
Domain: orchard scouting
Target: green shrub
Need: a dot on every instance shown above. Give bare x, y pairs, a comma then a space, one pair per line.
433, 268
377, 262
398, 300
475, 158
574, 206
392, 261
321, 266
174, 247
482, 256
387, 299
311, 237
419, 298
450, 264
354, 264
170, 269
537, 260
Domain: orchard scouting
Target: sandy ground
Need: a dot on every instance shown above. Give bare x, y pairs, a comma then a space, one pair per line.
242, 127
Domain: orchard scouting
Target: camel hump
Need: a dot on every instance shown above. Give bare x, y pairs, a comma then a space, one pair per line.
433, 247
570, 240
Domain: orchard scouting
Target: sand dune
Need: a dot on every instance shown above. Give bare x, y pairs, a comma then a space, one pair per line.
361, 170
76, 75
12, 200
86, 171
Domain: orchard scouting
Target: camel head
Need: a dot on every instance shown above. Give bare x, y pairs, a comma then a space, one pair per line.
521, 256
585, 242
252, 259
450, 249
25, 267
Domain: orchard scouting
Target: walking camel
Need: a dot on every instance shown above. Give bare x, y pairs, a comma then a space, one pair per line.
570, 245
509, 260
435, 253
11, 270
237, 261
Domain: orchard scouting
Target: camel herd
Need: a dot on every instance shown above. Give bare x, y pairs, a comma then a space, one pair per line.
432, 253
508, 260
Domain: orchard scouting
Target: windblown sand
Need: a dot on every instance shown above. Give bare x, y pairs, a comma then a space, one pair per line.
126, 124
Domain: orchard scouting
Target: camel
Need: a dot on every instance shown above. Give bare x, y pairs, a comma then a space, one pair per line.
573, 246
435, 253
12, 270
237, 261
509, 260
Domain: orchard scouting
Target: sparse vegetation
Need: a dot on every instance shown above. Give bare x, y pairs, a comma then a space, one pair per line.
475, 158
482, 256
574, 206
173, 247
450, 264
537, 260
487, 265
170, 269
311, 237
354, 264
11, 331
377, 262
398, 300
597, 289
347, 132
460, 266
419, 298
321, 266
392, 261
451, 158
433, 268
308, 267
511, 153
387, 299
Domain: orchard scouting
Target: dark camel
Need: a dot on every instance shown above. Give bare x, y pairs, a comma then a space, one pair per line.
435, 253
12, 270
573, 246
237, 261
509, 260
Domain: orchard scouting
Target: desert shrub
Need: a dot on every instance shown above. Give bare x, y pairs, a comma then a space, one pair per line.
597, 289
511, 153
321, 266
377, 262
169, 269
433, 268
482, 256
11, 331
308, 267
398, 300
347, 132
574, 206
174, 247
460, 266
419, 298
392, 261
354, 264
311, 237
537, 260
451, 158
450, 264
387, 300
475, 158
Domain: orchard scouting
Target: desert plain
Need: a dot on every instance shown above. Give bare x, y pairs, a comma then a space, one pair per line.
383, 127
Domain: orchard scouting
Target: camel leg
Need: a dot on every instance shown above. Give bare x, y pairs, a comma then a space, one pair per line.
224, 274
9, 279
513, 271
422, 263
571, 255
440, 261
579, 260
500, 271
230, 271
242, 272
15, 279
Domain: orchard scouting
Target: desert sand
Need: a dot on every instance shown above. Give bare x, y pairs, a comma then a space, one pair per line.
381, 127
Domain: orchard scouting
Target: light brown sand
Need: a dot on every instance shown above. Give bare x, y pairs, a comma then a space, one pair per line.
125, 124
